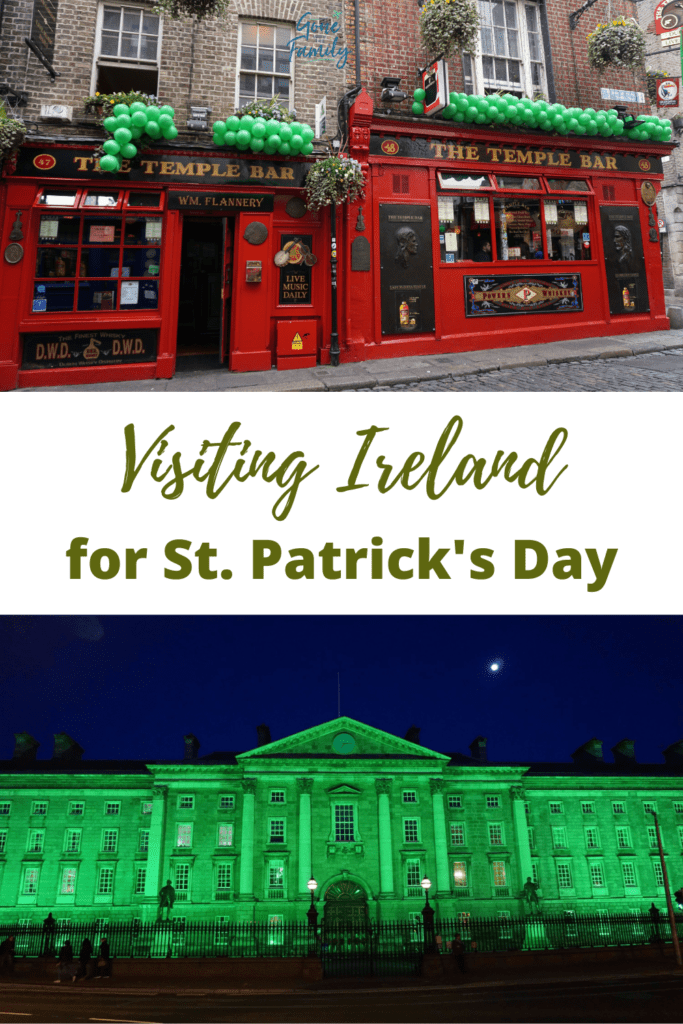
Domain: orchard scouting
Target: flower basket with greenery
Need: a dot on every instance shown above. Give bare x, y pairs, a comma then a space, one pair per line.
198, 9
265, 127
12, 133
449, 26
619, 43
652, 77
103, 103
337, 179
135, 123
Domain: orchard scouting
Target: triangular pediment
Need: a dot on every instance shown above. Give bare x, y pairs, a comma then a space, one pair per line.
343, 739
344, 790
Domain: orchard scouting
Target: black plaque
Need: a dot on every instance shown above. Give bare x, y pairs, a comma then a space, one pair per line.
624, 262
43, 27
360, 254
88, 348
406, 278
295, 276
515, 294
219, 202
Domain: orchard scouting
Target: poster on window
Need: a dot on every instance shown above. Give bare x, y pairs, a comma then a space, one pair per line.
521, 294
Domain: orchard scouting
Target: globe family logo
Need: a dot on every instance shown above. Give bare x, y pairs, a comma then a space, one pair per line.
318, 40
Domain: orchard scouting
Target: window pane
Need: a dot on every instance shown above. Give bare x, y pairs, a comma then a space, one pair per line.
499, 40
282, 89
129, 45
497, 14
142, 230
51, 197
248, 58
247, 88
282, 62
131, 20
97, 295
531, 19
110, 44
53, 298
249, 35
266, 36
513, 44
99, 262
461, 235
141, 262
265, 86
112, 18
486, 40
56, 262
101, 231
144, 198
148, 48
514, 72
282, 37
265, 60
150, 23
101, 199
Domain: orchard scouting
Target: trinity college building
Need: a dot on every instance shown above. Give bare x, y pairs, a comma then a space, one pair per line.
366, 814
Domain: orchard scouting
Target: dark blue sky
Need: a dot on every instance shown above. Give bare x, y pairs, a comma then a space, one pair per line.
130, 687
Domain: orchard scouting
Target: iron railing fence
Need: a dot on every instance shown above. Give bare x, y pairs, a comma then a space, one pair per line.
400, 943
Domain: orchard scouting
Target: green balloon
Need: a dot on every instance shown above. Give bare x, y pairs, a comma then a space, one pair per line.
165, 120
285, 132
233, 123
618, 128
246, 122
218, 139
417, 109
111, 147
153, 114
219, 127
307, 148
137, 107
449, 111
170, 133
135, 132
419, 95
258, 130
296, 128
109, 163
167, 110
153, 129
459, 117
124, 121
285, 148
272, 127
121, 108
308, 134
123, 135
230, 138
129, 151
111, 123
243, 137
256, 144
139, 119
295, 143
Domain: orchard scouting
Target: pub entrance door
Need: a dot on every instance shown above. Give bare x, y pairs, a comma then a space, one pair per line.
205, 291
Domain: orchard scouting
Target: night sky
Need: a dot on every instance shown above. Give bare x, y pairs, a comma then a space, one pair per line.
131, 687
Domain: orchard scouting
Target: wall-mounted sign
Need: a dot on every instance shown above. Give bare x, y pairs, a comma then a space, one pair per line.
668, 16
44, 26
253, 273
406, 269
88, 348
435, 85
219, 202
668, 90
624, 263
295, 274
514, 294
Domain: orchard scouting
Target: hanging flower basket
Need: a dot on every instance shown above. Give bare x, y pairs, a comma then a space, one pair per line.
191, 8
616, 44
102, 103
449, 26
12, 133
334, 180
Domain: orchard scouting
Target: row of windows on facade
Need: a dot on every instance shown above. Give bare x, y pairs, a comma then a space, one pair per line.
509, 58
226, 801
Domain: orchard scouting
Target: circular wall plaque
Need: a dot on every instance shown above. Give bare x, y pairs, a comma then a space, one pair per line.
256, 233
14, 252
296, 207
648, 193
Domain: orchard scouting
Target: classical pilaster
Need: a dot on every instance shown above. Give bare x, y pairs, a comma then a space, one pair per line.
155, 853
521, 832
305, 787
443, 879
386, 860
247, 843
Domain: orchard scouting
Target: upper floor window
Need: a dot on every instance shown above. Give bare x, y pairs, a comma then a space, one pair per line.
510, 57
146, 807
5, 807
184, 835
588, 807
36, 840
556, 808
454, 801
409, 796
127, 50
110, 840
277, 796
77, 807
496, 835
344, 831
618, 807
492, 802
265, 67
276, 830
650, 806
112, 808
3, 839
225, 835
678, 806
226, 802
411, 830
39, 807
72, 840
185, 803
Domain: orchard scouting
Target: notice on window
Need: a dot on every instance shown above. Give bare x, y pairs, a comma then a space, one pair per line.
445, 204
551, 213
451, 241
101, 233
481, 211
580, 213
130, 291
153, 230
49, 228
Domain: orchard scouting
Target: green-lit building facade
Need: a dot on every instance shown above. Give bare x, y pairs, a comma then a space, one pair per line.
364, 812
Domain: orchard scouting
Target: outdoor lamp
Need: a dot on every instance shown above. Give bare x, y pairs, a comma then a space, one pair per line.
426, 884
312, 912
390, 90
312, 886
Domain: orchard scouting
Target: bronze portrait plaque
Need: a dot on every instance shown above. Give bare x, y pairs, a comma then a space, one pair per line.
624, 261
406, 271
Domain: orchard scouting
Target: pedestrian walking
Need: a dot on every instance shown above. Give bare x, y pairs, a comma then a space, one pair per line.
459, 953
49, 929
66, 966
86, 966
7, 954
103, 960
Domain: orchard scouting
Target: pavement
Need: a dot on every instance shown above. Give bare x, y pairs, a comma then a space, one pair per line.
585, 364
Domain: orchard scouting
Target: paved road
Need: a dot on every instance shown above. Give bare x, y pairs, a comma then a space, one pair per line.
638, 999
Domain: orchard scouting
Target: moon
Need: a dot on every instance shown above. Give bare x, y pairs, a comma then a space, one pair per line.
494, 666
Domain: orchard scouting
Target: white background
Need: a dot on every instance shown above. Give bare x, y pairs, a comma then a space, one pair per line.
62, 465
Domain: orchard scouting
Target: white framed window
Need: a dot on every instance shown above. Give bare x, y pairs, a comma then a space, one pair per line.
67, 885
413, 877
265, 63
276, 874
29, 886
140, 880
555, 807
628, 869
344, 823
3, 840
649, 806
143, 840
454, 801
77, 807
186, 802
597, 875
587, 807
276, 830
146, 807
592, 838
496, 835
499, 873
39, 807
112, 807
181, 879
5, 807
564, 876
226, 801
624, 837
36, 840
510, 55
184, 834
225, 835
532, 836
457, 833
411, 830
277, 796
409, 796
72, 840
105, 881
492, 802
460, 874
559, 837
128, 42
110, 840
678, 806
659, 873
224, 877
680, 835
652, 837
618, 807
535, 876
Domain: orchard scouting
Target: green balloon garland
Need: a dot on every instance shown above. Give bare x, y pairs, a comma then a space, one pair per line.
128, 123
259, 134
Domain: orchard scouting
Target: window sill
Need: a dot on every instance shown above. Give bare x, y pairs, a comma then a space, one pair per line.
67, 898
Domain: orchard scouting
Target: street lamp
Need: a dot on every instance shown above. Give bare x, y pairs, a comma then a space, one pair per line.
428, 917
312, 912
669, 904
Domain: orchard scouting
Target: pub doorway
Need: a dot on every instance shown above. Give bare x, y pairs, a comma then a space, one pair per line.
205, 292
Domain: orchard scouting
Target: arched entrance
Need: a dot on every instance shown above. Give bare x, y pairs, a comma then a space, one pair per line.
346, 907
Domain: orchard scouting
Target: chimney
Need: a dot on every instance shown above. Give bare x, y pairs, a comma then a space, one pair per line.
263, 733
673, 755
624, 752
192, 745
589, 753
25, 747
478, 749
66, 749
413, 734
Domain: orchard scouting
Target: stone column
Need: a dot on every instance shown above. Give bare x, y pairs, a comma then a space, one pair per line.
521, 833
247, 842
154, 879
386, 861
305, 787
443, 875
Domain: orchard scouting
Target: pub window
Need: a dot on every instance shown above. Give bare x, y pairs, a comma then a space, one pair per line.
514, 181
53, 197
566, 229
265, 68
464, 228
151, 200
127, 50
463, 181
518, 229
567, 185
97, 261
510, 56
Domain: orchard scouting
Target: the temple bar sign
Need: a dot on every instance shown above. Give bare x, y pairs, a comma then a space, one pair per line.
216, 201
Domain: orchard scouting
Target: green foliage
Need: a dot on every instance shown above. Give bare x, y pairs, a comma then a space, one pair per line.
652, 77
12, 132
616, 44
108, 100
198, 9
334, 180
448, 26
268, 109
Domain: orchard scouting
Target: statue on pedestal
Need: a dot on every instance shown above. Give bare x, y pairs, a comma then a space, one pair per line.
529, 895
166, 901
